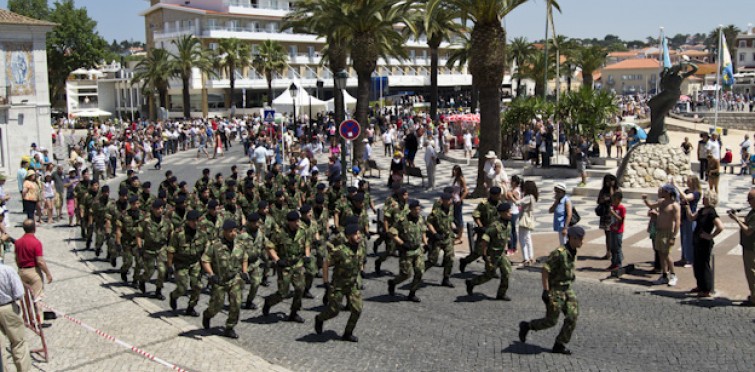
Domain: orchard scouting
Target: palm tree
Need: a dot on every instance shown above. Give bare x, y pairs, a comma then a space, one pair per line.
438, 24
590, 59
521, 51
373, 26
534, 68
153, 74
232, 54
459, 55
189, 55
271, 57
565, 48
549, 6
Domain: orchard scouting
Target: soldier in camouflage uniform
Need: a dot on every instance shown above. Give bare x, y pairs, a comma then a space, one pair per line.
335, 193
494, 243
315, 238
153, 236
187, 244
128, 226
164, 184
279, 209
409, 235
389, 201
558, 295
81, 189
225, 262
202, 182
248, 199
289, 249
346, 260
178, 215
126, 182
212, 220
441, 232
200, 200
88, 200
318, 190
292, 195
231, 209
483, 215
217, 188
394, 212
254, 243
321, 218
146, 197
102, 206
114, 219
267, 190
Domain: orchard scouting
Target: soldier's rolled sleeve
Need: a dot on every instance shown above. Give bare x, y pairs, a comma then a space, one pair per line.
486, 238
393, 231
207, 255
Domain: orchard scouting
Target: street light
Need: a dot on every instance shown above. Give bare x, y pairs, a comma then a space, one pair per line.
339, 79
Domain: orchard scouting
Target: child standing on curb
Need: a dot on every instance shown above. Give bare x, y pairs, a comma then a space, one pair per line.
618, 213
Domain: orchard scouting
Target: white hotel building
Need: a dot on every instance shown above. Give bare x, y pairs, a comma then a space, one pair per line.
258, 20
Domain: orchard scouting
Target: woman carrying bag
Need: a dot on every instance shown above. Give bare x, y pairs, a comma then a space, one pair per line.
527, 221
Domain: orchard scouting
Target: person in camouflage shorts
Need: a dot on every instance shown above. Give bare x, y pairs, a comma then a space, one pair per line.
313, 229
79, 191
128, 227
187, 244
409, 235
153, 236
254, 242
100, 210
394, 211
88, 200
225, 262
346, 260
120, 208
483, 215
558, 295
289, 249
494, 243
441, 232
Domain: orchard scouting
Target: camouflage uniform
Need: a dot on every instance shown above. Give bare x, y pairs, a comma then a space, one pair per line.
102, 229
226, 259
318, 248
411, 233
487, 213
87, 204
310, 268
200, 184
217, 191
211, 225
155, 236
292, 199
254, 243
187, 247
497, 238
278, 214
561, 297
113, 217
346, 260
291, 246
395, 211
442, 221
129, 227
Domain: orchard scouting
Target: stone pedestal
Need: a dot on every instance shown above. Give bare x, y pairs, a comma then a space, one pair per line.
652, 165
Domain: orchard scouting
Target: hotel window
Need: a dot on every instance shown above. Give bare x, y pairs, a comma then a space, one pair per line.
742, 43
255, 49
233, 25
741, 57
311, 51
273, 27
293, 51
254, 27
212, 24
213, 46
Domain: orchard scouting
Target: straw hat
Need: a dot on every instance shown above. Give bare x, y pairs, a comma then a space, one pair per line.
491, 155
560, 186
30, 173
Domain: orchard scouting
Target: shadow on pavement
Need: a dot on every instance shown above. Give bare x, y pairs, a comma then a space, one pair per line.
197, 334
709, 302
319, 339
671, 294
523, 348
265, 319
107, 271
118, 284
477, 297
385, 298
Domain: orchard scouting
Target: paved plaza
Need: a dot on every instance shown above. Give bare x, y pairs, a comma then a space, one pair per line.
624, 325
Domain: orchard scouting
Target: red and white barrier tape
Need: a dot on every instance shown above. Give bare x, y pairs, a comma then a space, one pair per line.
110, 338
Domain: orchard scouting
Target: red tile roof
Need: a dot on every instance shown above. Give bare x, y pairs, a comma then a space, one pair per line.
9, 18
634, 64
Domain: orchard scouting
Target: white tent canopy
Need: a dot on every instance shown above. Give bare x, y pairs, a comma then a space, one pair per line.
285, 103
91, 114
348, 101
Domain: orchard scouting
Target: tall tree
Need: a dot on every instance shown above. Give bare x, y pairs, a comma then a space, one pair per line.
72, 44
438, 24
188, 56
549, 6
520, 52
534, 68
271, 57
36, 9
459, 56
590, 59
487, 63
566, 48
153, 73
373, 25
230, 55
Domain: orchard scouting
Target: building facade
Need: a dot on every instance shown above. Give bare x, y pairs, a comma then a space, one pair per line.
103, 92
744, 55
255, 21
24, 92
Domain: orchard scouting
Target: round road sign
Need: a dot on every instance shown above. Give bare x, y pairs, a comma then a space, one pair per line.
349, 129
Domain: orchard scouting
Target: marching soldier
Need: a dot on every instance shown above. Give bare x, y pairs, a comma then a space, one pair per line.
225, 262
166, 182
248, 199
81, 189
409, 235
202, 182
279, 209
318, 190
200, 200
217, 188
114, 219
100, 209
441, 232
394, 212
289, 249
558, 295
212, 220
389, 202
187, 245
494, 243
153, 236
231, 210
346, 260
146, 197
128, 227
254, 243
334, 195
178, 215
87, 203
483, 215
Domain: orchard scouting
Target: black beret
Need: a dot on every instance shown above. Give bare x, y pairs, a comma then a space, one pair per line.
168, 173
351, 220
128, 172
269, 176
230, 195
446, 196
495, 190
305, 208
504, 207
321, 186
254, 217
193, 215
212, 203
249, 184
157, 204
180, 199
182, 184
230, 182
319, 199
351, 229
249, 171
448, 189
162, 194
172, 179
278, 194
146, 185
293, 216
413, 203
358, 198
105, 188
218, 175
351, 189
206, 171
262, 204
123, 192
576, 232
229, 224
133, 199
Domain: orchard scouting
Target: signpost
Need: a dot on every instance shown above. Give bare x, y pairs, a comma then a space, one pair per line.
349, 131
270, 116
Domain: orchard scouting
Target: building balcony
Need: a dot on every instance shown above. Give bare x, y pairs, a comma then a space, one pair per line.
248, 33
174, 32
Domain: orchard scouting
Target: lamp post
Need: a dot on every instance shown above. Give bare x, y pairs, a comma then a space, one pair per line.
339, 80
294, 91
309, 122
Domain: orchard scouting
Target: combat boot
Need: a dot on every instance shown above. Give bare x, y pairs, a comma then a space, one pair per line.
142, 286
266, 308
173, 303
524, 328
264, 282
159, 294
378, 264
250, 305
503, 298
205, 322
191, 312
318, 325
112, 261
470, 287
349, 337
97, 252
308, 294
230, 333
375, 246
462, 266
559, 348
391, 287
413, 297
447, 283
124, 277
294, 317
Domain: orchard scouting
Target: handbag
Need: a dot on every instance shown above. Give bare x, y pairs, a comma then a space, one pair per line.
575, 218
526, 221
437, 160
601, 210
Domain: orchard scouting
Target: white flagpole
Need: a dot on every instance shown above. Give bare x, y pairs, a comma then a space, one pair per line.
660, 55
718, 76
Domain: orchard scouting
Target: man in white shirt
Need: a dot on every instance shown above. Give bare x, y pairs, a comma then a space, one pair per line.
388, 142
367, 155
259, 157
113, 157
430, 157
99, 163
713, 146
468, 144
303, 167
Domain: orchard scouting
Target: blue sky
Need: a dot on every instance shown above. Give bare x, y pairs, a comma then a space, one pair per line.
629, 19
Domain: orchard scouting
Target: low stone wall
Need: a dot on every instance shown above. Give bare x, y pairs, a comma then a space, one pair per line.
651, 165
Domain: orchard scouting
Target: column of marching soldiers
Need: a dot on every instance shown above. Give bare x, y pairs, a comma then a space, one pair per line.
239, 231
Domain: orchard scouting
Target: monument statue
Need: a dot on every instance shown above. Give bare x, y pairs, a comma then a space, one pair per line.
662, 103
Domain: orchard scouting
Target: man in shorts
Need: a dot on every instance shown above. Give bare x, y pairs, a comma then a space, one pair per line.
667, 227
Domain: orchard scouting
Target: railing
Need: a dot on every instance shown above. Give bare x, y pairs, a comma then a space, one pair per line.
261, 4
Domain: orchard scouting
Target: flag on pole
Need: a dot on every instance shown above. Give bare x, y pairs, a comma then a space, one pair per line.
727, 70
666, 57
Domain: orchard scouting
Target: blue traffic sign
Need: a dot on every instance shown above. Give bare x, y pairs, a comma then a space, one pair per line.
349, 129
269, 116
